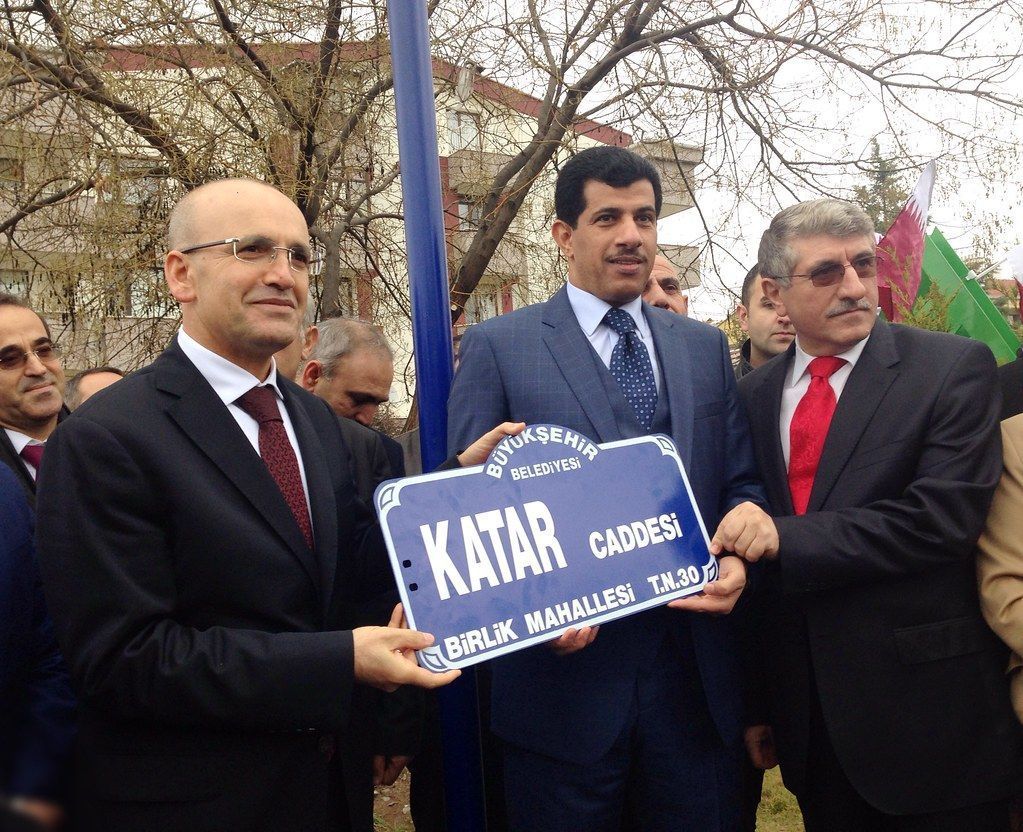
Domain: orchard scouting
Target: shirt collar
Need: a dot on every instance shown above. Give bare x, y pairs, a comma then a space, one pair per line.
20, 440
229, 381
590, 311
802, 360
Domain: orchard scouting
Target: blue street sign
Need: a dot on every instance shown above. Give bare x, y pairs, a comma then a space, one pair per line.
553, 532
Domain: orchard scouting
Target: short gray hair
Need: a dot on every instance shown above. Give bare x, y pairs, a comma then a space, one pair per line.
830, 217
339, 337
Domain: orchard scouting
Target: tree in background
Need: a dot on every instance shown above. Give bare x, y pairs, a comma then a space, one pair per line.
887, 190
141, 100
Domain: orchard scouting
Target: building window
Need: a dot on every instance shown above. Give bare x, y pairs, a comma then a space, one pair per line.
463, 131
485, 302
469, 215
11, 169
14, 282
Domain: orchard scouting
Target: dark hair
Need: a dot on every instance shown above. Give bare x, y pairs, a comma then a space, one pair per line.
613, 166
7, 299
71, 395
747, 285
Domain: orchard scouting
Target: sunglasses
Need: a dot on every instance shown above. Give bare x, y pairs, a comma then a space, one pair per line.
828, 274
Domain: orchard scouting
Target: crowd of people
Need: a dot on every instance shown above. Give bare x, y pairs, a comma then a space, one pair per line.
198, 620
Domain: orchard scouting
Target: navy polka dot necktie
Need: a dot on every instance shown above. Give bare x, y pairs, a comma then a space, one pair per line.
631, 367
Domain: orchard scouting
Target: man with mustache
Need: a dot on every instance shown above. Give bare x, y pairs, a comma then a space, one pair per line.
637, 726
879, 448
768, 332
31, 389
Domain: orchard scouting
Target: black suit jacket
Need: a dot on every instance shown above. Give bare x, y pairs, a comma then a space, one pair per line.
209, 645
1010, 377
873, 599
17, 464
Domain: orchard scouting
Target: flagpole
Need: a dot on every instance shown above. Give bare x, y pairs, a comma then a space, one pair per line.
431, 335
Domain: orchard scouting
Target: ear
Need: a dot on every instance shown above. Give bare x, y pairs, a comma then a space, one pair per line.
743, 314
561, 231
311, 374
772, 291
311, 338
179, 277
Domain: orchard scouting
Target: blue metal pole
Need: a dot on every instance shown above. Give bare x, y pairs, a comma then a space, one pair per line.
431, 338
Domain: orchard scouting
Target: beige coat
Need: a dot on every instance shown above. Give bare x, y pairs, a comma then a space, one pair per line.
1000, 557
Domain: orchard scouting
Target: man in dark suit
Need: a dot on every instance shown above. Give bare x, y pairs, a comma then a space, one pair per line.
205, 556
31, 389
639, 724
36, 704
879, 448
767, 333
1010, 377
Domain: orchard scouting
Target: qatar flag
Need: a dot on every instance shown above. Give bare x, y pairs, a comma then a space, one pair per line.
901, 251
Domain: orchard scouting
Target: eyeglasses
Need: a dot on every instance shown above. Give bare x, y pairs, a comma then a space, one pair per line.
829, 274
16, 359
259, 250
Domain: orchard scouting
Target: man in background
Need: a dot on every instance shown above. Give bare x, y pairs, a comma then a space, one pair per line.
768, 333
31, 389
87, 383
664, 288
36, 704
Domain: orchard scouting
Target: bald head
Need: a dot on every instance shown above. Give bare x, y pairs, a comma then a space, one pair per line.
245, 300
186, 219
664, 289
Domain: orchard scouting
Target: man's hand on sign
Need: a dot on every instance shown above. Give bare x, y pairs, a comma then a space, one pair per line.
718, 596
573, 640
385, 656
748, 531
478, 451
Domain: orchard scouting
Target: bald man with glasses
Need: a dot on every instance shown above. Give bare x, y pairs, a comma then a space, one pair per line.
878, 444
31, 390
207, 563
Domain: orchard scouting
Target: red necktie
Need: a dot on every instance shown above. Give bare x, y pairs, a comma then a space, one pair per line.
33, 455
809, 429
278, 455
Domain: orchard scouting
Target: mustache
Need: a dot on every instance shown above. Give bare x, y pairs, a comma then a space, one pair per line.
36, 381
847, 305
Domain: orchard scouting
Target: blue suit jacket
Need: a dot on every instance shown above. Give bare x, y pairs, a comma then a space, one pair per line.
536, 365
36, 704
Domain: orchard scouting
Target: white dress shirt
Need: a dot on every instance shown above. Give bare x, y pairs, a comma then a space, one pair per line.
590, 311
230, 382
798, 382
20, 441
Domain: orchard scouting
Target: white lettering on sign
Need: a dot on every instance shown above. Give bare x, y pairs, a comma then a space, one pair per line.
636, 535
524, 548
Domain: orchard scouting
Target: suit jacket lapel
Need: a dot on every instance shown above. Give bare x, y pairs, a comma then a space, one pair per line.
767, 435
322, 501
205, 420
875, 371
675, 359
574, 356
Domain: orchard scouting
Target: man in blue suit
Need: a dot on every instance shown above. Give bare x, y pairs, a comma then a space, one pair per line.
36, 704
638, 726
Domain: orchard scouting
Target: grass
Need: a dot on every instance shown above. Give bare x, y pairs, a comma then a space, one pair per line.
778, 810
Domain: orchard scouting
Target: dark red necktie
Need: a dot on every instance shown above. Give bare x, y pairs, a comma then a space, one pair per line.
278, 455
33, 455
809, 429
